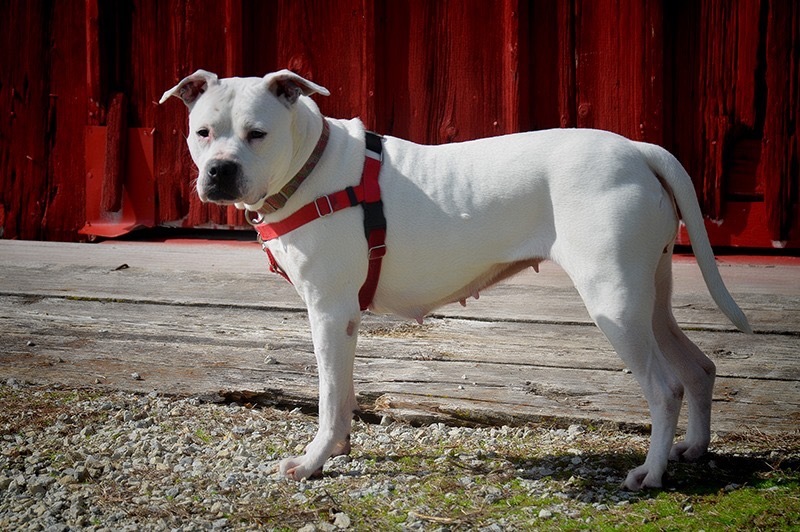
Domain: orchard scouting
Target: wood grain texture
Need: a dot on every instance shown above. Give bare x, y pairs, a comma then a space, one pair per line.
116, 154
25, 129
200, 319
714, 81
780, 153
619, 85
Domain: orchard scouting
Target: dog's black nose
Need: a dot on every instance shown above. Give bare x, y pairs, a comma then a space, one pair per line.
222, 170
223, 180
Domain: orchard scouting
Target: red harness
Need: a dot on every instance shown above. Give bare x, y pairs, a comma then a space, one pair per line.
367, 194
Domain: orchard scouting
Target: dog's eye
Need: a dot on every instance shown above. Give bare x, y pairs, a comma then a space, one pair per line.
256, 134
203, 132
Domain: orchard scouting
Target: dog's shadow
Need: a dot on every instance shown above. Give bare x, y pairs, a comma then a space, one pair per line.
597, 477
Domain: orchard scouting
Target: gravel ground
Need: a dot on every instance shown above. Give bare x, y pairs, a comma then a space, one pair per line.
98, 460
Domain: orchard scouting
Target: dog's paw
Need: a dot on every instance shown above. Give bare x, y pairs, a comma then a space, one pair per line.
297, 469
641, 479
687, 452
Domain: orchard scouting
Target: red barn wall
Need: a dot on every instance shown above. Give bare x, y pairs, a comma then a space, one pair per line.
85, 147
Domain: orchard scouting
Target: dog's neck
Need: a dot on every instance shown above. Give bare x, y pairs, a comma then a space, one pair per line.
308, 125
276, 201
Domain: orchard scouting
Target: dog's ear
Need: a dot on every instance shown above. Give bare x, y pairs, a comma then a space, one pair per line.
191, 87
288, 86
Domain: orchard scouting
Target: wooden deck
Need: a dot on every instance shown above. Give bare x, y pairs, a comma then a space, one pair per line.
206, 318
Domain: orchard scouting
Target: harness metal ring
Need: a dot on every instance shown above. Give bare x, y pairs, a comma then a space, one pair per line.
253, 217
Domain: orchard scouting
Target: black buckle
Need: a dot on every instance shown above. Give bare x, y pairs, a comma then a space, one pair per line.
374, 143
373, 216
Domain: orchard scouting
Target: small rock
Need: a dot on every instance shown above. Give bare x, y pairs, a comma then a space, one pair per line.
341, 521
39, 486
30, 343
493, 494
341, 459
269, 360
545, 514
574, 430
66, 480
135, 376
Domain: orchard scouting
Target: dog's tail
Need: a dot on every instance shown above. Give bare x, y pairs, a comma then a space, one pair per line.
673, 175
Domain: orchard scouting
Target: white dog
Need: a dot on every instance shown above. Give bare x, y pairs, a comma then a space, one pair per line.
459, 218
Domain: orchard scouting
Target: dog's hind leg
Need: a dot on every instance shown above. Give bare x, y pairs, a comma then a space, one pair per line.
621, 304
692, 367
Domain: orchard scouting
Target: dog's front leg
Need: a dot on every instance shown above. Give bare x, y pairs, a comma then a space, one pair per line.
334, 334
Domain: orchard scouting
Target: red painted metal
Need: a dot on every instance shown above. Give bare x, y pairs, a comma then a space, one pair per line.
137, 193
743, 225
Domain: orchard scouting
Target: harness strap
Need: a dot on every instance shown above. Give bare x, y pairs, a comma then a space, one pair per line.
374, 220
368, 194
274, 267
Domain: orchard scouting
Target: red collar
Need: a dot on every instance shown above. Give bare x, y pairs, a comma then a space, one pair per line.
367, 194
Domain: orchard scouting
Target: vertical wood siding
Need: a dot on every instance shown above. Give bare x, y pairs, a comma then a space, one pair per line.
714, 81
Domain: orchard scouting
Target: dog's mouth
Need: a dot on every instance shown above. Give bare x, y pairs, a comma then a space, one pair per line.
221, 196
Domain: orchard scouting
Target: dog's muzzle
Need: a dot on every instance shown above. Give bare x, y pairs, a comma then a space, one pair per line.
222, 180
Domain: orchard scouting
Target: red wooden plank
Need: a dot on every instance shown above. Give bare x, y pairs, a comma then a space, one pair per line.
540, 29
567, 100
619, 67
94, 89
727, 83
25, 109
159, 38
781, 156
447, 74
744, 226
116, 154
720, 113
325, 42
176, 36
259, 20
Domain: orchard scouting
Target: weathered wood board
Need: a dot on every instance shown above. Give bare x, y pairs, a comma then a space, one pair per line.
209, 320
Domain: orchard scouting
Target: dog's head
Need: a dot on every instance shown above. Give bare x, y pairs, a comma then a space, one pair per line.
242, 132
